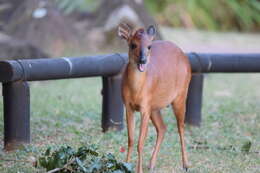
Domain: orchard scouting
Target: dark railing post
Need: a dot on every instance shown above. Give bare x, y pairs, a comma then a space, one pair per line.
112, 104
194, 100
16, 96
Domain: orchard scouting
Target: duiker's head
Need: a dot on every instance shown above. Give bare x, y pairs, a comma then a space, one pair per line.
139, 42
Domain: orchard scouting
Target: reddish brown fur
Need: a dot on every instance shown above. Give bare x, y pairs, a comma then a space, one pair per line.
167, 76
165, 81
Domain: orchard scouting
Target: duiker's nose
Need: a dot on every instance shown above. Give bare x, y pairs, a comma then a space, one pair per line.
142, 58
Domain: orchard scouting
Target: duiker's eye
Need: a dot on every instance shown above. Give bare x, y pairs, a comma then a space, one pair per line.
149, 47
133, 46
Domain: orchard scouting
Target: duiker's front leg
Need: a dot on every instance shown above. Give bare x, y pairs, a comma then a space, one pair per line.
145, 116
130, 129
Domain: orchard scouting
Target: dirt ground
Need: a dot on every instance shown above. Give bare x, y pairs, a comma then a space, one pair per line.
213, 42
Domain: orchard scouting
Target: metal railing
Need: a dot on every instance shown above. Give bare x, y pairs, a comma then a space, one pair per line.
14, 75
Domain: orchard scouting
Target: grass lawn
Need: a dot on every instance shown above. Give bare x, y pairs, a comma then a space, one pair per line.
67, 112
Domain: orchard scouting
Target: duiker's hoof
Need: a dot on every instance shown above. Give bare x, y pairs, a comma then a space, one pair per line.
185, 169
151, 170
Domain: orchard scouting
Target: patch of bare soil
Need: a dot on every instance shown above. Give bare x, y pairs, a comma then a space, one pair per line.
213, 42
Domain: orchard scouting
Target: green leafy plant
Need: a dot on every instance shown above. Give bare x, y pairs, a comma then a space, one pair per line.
242, 15
246, 147
68, 6
85, 160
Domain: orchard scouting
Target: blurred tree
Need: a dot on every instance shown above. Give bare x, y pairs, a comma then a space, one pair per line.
11, 47
7, 7
41, 24
108, 14
56, 24
69, 7
107, 10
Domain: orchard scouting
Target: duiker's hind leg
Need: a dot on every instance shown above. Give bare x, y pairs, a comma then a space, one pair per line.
160, 129
179, 107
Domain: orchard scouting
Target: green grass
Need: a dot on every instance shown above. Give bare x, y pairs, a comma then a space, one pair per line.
67, 112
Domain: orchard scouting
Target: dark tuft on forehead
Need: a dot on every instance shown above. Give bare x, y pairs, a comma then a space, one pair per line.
139, 33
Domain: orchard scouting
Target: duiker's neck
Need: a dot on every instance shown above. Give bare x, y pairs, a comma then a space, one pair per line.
136, 79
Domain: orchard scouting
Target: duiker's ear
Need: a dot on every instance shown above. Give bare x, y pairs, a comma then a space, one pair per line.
124, 31
151, 31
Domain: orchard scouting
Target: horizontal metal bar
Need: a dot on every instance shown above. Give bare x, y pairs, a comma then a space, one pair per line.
61, 68
224, 63
107, 65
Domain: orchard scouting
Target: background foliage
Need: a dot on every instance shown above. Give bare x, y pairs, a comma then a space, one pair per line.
242, 15
68, 6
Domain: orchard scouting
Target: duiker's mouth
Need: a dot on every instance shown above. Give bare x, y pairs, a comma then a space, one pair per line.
141, 67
